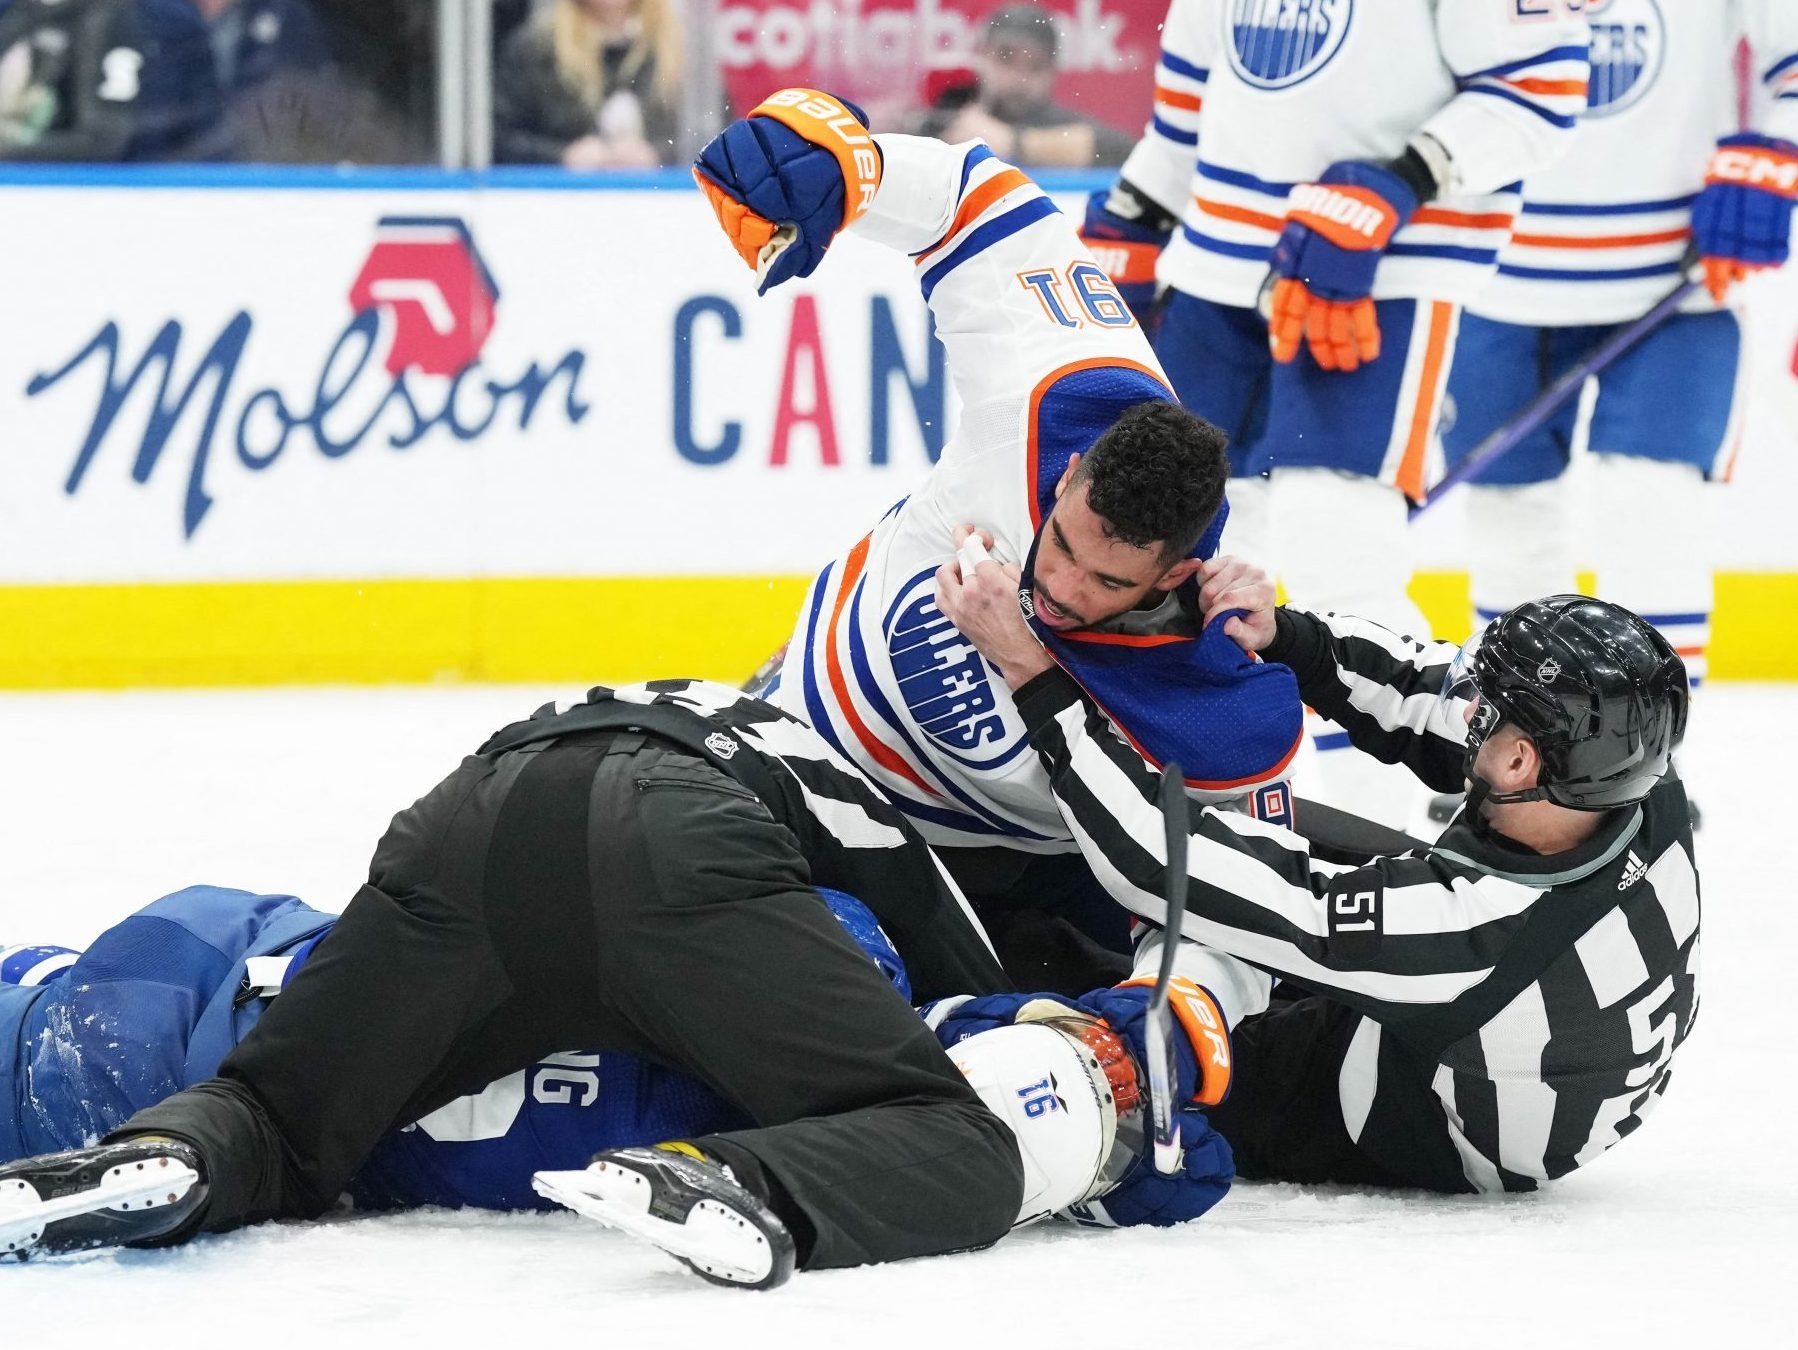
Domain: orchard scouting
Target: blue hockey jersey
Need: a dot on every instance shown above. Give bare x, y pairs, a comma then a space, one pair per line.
159, 999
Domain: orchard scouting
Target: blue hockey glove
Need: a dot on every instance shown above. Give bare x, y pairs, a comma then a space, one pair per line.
1742, 220
956, 1019
1144, 1196
1201, 1054
786, 178
1125, 233
1323, 266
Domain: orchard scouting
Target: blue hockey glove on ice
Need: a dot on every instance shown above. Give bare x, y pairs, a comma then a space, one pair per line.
1125, 233
786, 178
1742, 220
1323, 266
956, 1019
1144, 1196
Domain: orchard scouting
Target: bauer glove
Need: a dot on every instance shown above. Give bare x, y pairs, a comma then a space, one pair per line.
1742, 220
1201, 1047
1323, 266
1125, 232
785, 179
1145, 1196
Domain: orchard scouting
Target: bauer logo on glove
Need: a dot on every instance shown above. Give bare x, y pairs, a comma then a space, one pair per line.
784, 180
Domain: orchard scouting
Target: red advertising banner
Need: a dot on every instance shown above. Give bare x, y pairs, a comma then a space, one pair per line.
891, 54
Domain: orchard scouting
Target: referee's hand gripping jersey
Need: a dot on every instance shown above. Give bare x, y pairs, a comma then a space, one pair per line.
1484, 1014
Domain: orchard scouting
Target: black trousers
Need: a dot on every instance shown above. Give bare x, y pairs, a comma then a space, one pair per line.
1283, 1116
610, 892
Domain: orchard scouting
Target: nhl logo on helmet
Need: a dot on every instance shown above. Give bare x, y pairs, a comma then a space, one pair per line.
1275, 44
1549, 671
1629, 44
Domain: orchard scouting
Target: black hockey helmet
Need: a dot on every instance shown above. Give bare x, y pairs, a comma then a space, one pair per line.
1597, 688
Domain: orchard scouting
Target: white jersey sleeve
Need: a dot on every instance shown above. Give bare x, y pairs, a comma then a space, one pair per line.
1163, 162
1521, 70
1015, 294
1772, 29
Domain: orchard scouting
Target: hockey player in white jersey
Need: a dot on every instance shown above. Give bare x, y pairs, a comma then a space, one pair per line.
1660, 169
1074, 459
1353, 168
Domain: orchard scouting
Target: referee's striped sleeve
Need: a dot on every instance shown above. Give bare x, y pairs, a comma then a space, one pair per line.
1383, 689
1395, 937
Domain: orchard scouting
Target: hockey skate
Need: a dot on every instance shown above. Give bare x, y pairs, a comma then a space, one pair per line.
98, 1197
688, 1205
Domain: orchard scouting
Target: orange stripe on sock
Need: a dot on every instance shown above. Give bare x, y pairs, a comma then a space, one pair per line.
976, 202
1409, 479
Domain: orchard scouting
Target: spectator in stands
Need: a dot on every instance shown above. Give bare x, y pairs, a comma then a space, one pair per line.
590, 84
1010, 105
68, 79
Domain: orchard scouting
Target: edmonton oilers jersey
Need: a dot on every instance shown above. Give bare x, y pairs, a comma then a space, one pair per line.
1045, 358
1253, 97
1604, 231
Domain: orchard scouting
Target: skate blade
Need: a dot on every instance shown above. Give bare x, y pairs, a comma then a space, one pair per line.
128, 1188
716, 1239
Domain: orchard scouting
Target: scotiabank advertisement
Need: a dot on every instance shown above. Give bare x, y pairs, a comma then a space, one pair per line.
894, 55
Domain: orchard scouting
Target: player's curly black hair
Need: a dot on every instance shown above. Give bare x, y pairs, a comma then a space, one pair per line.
1156, 477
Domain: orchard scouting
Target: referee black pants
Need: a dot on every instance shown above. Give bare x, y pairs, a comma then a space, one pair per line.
608, 892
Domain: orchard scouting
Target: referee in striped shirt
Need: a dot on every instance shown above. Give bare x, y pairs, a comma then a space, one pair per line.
1481, 1015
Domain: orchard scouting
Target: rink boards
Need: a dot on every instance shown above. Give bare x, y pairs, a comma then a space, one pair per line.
323, 427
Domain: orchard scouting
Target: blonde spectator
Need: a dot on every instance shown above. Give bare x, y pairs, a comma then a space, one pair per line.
590, 84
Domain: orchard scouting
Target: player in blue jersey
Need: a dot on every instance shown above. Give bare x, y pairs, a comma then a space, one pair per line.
89, 1038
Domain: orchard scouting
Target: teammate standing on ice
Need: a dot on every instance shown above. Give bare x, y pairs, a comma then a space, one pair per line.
1490, 1012
1332, 181
635, 873
1658, 170
1074, 458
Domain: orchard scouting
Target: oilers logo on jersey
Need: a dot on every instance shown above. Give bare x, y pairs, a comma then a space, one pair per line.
1275, 44
1629, 47
943, 680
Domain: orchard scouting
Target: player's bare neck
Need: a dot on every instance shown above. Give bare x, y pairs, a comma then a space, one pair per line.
1542, 827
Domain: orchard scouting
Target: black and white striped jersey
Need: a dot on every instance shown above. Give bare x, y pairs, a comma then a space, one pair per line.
1525, 1006
851, 837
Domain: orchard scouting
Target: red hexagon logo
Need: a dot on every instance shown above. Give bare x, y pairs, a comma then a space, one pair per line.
427, 272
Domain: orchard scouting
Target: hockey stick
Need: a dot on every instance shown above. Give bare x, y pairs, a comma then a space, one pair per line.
1158, 1028
1546, 404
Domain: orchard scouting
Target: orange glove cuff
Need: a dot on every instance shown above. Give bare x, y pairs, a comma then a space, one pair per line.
1203, 1022
1349, 217
1749, 166
825, 122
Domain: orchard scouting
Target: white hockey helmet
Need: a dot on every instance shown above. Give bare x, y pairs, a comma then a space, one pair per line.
1069, 1091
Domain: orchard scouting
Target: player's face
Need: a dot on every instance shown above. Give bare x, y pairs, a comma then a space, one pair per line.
1083, 575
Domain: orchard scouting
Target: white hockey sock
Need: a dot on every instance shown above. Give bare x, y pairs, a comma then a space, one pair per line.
1652, 548
1344, 544
1518, 541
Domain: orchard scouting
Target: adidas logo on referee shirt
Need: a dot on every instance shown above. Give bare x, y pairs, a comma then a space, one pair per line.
1634, 872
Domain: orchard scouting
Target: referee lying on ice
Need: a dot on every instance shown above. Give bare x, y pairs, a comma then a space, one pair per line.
1481, 1015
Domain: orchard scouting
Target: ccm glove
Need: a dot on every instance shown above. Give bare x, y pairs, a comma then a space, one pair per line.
1742, 220
1125, 232
1323, 266
785, 179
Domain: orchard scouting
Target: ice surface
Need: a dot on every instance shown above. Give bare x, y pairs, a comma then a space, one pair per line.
1685, 1235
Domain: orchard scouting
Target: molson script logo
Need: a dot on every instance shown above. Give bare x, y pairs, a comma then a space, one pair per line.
406, 364
1275, 44
1629, 46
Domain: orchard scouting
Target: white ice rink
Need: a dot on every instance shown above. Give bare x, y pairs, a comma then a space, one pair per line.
1685, 1235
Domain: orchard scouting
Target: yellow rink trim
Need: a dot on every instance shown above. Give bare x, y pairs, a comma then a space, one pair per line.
578, 630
